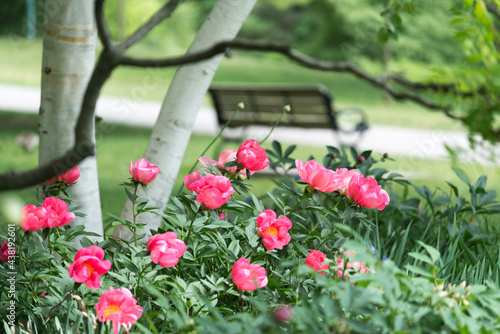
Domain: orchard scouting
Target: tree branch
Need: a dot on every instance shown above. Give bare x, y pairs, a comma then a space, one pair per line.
22, 179
102, 27
153, 21
309, 62
493, 9
84, 134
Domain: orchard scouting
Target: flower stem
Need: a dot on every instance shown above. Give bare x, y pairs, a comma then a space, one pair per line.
191, 226
20, 252
324, 241
134, 228
296, 205
56, 308
212, 142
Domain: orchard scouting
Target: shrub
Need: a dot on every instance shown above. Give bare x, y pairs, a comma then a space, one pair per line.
422, 263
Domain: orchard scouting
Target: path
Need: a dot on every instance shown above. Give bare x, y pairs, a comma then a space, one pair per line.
414, 143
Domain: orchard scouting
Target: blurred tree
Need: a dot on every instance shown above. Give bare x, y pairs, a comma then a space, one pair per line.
14, 20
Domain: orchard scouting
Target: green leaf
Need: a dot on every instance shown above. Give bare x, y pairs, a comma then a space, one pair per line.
468, 254
234, 247
401, 246
420, 257
277, 148
383, 35
433, 252
461, 175
129, 195
289, 150
419, 271
40, 256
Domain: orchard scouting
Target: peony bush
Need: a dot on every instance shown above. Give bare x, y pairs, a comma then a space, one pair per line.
341, 246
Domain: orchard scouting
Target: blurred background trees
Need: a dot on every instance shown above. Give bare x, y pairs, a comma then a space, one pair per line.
328, 29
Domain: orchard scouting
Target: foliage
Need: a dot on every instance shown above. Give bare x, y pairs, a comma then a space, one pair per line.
432, 259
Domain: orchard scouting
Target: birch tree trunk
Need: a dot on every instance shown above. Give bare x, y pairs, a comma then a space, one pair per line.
68, 60
184, 99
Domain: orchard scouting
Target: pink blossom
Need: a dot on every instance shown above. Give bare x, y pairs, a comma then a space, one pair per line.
321, 178
367, 193
251, 156
44, 293
351, 266
88, 266
225, 157
57, 212
69, 177
274, 232
283, 314
315, 260
248, 276
142, 171
118, 306
166, 249
6, 252
33, 218
190, 178
212, 190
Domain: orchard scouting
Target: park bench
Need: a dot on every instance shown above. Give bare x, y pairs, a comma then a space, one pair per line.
311, 107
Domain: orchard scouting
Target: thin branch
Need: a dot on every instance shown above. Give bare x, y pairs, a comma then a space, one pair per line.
153, 21
21, 179
493, 9
102, 27
309, 62
434, 86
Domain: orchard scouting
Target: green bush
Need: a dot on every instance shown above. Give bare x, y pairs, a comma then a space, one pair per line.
427, 263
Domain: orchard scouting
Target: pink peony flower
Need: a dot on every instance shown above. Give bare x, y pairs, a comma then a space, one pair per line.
212, 190
190, 178
345, 178
366, 192
251, 156
274, 232
166, 249
70, 177
225, 157
6, 252
88, 266
315, 260
142, 171
321, 178
248, 276
57, 212
283, 314
351, 266
119, 306
33, 218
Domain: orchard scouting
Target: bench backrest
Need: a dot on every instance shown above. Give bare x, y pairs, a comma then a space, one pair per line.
311, 107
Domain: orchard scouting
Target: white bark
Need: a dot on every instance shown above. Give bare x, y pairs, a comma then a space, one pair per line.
184, 99
68, 60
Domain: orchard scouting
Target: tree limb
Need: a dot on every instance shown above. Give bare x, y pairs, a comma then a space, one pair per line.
102, 27
153, 21
309, 62
22, 179
84, 146
493, 9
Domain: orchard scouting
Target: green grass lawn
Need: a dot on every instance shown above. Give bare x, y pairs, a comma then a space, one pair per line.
113, 162
24, 60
